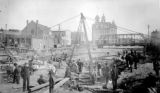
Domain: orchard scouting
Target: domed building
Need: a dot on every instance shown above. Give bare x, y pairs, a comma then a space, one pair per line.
103, 32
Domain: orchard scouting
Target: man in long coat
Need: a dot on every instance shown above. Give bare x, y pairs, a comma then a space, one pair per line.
114, 76
25, 73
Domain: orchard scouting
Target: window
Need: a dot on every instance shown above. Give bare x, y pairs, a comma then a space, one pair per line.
32, 31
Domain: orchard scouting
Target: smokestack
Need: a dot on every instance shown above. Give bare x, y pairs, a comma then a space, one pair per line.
27, 25
36, 27
6, 26
59, 27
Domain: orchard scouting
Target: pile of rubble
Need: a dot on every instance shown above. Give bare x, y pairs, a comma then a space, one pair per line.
128, 80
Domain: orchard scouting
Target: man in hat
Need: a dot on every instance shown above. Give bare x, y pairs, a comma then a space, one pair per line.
16, 74
30, 62
25, 73
51, 82
114, 75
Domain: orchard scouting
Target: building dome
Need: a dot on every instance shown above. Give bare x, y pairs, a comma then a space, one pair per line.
103, 18
97, 18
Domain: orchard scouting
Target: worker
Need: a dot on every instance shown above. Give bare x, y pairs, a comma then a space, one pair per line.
80, 65
41, 80
60, 62
16, 74
30, 62
127, 59
130, 58
51, 82
155, 63
68, 71
99, 69
136, 59
25, 73
106, 73
114, 76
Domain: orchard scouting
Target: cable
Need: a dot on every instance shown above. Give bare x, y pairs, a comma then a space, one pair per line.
66, 20
128, 30
117, 26
124, 31
121, 27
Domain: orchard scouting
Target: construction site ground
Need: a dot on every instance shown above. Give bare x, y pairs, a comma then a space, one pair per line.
81, 53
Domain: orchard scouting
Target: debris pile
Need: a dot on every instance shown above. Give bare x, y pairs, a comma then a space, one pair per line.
128, 81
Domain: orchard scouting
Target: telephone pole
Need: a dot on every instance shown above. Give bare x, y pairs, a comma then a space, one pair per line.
59, 27
148, 31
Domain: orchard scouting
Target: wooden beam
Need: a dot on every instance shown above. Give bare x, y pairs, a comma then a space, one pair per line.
58, 84
43, 85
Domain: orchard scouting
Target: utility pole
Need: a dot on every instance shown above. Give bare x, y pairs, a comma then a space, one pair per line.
59, 27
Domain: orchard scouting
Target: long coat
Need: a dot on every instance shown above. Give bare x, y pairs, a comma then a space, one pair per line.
25, 72
114, 74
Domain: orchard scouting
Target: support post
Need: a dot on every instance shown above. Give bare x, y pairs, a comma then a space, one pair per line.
87, 42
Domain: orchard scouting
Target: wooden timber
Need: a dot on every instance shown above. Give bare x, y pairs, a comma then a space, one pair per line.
58, 84
43, 85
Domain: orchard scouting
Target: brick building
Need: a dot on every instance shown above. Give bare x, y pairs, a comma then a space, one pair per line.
41, 38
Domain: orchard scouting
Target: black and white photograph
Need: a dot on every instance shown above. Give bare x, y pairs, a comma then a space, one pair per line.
79, 46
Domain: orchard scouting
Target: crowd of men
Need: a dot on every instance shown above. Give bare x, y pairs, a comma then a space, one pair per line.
111, 72
131, 58
16, 72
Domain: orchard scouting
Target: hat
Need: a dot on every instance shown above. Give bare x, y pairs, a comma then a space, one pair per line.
15, 64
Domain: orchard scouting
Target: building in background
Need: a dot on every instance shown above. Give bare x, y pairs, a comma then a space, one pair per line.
41, 38
13, 38
61, 38
103, 32
77, 37
155, 37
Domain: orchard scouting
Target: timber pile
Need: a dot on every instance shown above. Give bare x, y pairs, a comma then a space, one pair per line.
59, 84
99, 89
85, 79
43, 85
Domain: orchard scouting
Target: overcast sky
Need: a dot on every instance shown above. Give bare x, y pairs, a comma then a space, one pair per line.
131, 14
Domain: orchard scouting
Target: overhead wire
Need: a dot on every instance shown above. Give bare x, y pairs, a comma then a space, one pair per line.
129, 30
118, 27
65, 20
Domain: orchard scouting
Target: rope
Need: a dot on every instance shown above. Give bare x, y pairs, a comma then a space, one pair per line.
65, 21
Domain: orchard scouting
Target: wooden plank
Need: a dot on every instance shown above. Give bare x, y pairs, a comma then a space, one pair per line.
43, 85
17, 87
58, 84
61, 83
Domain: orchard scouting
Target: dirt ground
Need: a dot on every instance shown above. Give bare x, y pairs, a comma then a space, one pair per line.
82, 53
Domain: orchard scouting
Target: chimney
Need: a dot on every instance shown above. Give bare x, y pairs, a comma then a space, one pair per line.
59, 27
36, 27
6, 26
